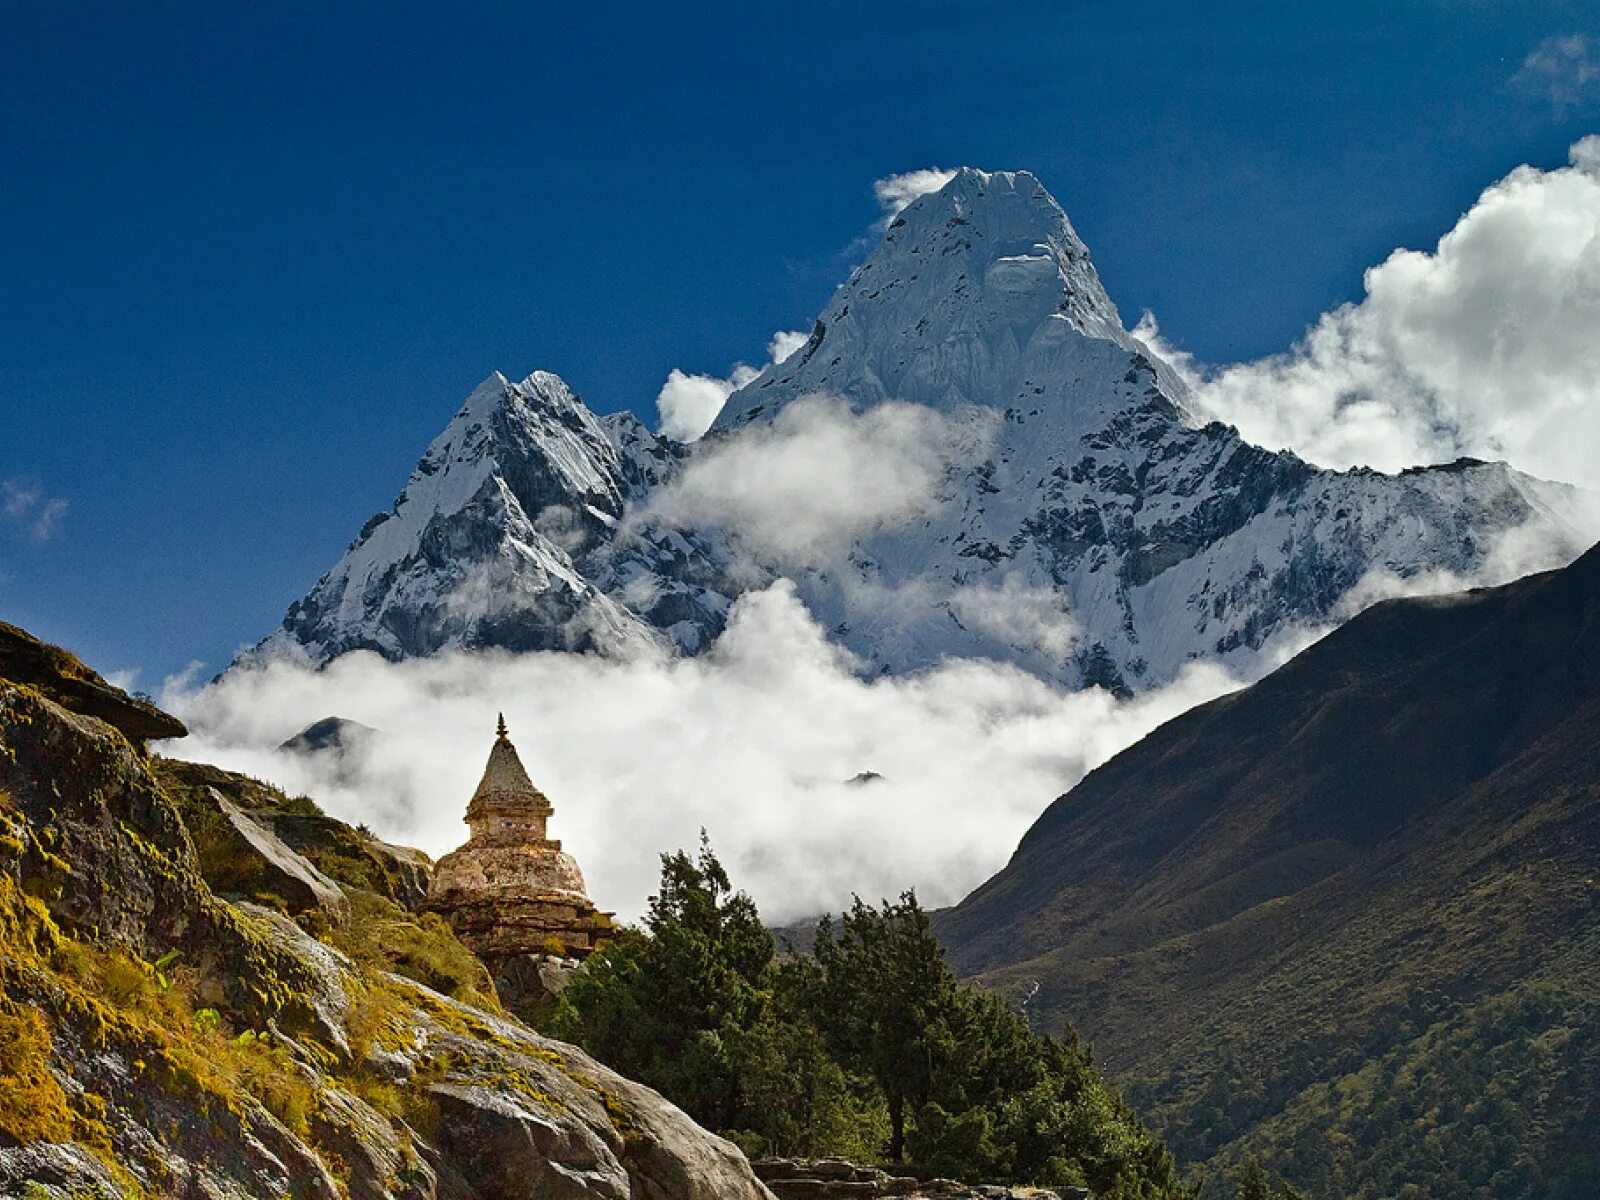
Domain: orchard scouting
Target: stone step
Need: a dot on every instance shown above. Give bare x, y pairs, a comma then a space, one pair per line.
837, 1179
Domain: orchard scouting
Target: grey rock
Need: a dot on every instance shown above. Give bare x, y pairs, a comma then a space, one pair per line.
286, 874
50, 1171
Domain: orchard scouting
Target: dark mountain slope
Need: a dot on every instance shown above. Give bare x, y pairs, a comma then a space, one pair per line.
1387, 847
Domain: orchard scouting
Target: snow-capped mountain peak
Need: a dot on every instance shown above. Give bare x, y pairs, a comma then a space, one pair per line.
1100, 536
479, 548
979, 293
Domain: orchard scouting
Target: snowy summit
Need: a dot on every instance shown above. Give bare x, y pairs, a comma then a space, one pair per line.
1079, 521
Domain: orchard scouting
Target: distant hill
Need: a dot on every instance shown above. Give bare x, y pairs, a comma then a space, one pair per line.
1348, 918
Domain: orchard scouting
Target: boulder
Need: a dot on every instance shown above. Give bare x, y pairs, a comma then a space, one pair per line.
241, 857
517, 1150
514, 1092
838, 1179
358, 859
530, 984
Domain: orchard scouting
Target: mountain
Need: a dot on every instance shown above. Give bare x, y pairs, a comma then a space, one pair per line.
1082, 524
335, 735
486, 544
1348, 918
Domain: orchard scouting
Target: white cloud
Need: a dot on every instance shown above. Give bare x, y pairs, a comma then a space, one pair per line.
894, 192
784, 343
796, 491
752, 740
1585, 155
688, 404
25, 506
1564, 69
1019, 613
1484, 346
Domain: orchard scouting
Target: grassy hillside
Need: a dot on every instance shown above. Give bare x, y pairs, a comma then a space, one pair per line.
1345, 920
191, 1006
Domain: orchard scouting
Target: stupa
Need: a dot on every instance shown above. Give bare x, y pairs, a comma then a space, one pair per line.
511, 894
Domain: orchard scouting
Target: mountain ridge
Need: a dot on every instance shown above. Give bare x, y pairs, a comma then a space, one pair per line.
1077, 487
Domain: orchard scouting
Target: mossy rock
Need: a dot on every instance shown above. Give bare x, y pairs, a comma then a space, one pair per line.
342, 853
63, 677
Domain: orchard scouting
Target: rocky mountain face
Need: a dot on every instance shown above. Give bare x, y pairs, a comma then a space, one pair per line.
503, 538
1082, 522
167, 1029
1348, 918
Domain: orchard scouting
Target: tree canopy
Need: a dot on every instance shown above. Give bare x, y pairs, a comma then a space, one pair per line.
869, 1047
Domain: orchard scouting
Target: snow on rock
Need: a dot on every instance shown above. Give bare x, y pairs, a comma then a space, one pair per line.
1084, 526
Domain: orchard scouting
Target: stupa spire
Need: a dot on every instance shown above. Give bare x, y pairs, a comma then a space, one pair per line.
506, 803
500, 727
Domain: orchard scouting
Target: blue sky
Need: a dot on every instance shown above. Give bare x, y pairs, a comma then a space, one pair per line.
254, 256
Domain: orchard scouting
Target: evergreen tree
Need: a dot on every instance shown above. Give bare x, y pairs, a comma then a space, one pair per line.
664, 1006
868, 1045
887, 999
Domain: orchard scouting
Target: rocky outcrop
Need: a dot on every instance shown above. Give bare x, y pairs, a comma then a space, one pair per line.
532, 983
156, 1039
345, 855
249, 859
60, 675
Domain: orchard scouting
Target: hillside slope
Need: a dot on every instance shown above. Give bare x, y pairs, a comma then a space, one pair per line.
1348, 917
167, 1029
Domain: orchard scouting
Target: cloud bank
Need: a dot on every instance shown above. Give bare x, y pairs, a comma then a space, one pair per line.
753, 740
1485, 346
795, 492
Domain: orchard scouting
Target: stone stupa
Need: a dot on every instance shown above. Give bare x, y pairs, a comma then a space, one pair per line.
511, 894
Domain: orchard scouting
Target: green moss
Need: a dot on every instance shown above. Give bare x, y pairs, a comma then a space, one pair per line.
36, 1108
185, 784
379, 934
63, 662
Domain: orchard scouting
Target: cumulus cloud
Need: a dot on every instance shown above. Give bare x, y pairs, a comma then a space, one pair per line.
753, 740
688, 404
1564, 69
26, 507
1484, 346
894, 192
784, 343
798, 490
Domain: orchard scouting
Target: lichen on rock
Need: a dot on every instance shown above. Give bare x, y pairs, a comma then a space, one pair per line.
157, 1039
